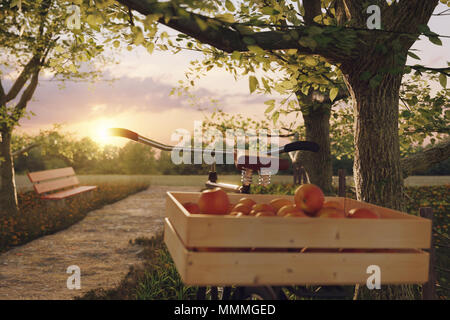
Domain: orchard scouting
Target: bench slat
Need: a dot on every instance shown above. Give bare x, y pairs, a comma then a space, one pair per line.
68, 193
50, 174
56, 184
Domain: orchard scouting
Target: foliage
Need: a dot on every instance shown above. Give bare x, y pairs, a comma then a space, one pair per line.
37, 218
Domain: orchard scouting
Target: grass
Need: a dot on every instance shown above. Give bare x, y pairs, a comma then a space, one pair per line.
23, 184
158, 278
37, 218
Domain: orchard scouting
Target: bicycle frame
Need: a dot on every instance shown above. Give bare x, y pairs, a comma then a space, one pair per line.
212, 176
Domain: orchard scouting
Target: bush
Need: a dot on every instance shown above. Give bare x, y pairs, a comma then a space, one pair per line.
37, 219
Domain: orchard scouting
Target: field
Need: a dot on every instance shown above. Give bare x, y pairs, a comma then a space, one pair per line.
24, 184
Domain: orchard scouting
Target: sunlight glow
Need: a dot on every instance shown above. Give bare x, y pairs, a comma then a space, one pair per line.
100, 131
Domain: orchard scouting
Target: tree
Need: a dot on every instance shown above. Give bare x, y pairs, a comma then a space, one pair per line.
37, 36
311, 86
137, 159
370, 60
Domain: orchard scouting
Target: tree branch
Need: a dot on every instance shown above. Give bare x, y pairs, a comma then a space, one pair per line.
223, 36
420, 68
25, 149
26, 95
425, 159
21, 79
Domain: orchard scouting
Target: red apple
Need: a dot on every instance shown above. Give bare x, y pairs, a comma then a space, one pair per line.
309, 198
214, 201
330, 213
191, 207
333, 204
290, 210
362, 213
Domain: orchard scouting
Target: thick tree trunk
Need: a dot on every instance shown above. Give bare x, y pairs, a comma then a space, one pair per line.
318, 165
377, 169
8, 192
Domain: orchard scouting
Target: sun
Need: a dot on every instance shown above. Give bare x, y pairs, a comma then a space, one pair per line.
100, 131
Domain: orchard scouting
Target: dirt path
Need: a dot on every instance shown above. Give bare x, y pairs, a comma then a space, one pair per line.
98, 245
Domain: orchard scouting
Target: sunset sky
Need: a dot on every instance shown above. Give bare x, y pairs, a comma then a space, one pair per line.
139, 98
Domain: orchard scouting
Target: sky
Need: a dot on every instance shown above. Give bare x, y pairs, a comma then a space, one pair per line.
139, 97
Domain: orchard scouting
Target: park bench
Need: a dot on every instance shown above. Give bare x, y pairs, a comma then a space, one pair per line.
57, 184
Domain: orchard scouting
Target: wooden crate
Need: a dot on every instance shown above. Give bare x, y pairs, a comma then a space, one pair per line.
273, 263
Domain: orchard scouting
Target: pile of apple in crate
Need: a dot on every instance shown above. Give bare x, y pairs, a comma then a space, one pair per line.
217, 238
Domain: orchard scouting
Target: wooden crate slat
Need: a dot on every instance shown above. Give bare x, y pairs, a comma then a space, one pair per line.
281, 268
395, 230
56, 184
50, 174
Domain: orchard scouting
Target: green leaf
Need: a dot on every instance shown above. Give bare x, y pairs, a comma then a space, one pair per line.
116, 43
253, 83
443, 80
229, 5
227, 17
435, 40
333, 93
275, 117
310, 61
236, 55
271, 105
256, 49
413, 55
150, 47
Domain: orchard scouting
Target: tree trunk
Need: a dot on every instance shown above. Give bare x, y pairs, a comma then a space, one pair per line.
8, 193
318, 165
377, 170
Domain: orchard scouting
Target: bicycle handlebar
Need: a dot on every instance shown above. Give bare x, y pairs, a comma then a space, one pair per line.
293, 146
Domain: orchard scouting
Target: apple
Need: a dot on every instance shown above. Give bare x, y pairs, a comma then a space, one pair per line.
191, 207
309, 198
263, 207
333, 204
330, 213
290, 210
278, 203
247, 202
240, 207
214, 201
362, 213
265, 214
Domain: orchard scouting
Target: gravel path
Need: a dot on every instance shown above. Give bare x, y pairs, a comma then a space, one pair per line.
98, 245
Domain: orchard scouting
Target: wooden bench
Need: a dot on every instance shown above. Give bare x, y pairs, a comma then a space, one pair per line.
57, 184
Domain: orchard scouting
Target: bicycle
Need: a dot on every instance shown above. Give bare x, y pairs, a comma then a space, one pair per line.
248, 165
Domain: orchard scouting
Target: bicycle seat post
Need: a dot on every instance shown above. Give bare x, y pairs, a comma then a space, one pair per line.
212, 175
